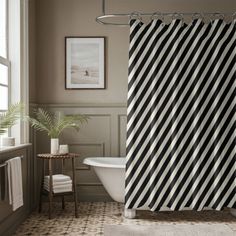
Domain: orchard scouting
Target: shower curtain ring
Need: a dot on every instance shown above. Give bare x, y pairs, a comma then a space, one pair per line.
135, 16
178, 16
234, 17
157, 15
197, 15
220, 16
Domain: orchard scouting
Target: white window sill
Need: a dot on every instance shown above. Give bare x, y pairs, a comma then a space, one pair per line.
14, 148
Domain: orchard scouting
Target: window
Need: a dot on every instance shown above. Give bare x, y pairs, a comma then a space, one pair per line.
14, 60
4, 61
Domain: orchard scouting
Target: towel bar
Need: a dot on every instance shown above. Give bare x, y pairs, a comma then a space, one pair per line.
4, 164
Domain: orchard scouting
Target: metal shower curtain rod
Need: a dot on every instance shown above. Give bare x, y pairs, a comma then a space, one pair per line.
137, 15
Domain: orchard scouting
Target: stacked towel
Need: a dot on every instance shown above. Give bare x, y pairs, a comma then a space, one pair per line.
60, 183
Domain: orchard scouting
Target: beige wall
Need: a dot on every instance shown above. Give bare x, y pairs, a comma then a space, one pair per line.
32, 51
59, 18
56, 19
105, 133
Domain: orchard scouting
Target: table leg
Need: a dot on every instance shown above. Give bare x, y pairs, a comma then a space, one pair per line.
62, 166
62, 197
50, 187
63, 202
74, 187
41, 188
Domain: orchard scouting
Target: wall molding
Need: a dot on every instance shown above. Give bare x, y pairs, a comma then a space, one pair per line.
82, 105
103, 115
102, 148
89, 184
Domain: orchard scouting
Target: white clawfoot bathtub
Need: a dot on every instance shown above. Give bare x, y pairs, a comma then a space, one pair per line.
111, 172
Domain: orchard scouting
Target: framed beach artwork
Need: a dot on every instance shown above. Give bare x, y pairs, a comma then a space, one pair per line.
85, 62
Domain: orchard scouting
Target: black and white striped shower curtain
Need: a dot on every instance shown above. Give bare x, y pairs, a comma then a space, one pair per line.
181, 128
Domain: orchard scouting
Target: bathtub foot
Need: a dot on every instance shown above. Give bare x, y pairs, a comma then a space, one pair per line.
130, 213
233, 212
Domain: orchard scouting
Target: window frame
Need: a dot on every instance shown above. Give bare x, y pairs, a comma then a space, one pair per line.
5, 60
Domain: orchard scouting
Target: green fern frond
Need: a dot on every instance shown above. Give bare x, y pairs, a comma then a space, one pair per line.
9, 118
54, 124
38, 125
45, 117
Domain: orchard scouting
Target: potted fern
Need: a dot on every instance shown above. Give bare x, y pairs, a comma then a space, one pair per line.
53, 124
7, 120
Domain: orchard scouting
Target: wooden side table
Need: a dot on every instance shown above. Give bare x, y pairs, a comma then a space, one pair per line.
50, 158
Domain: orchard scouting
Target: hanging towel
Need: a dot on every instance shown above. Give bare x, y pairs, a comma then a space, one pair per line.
14, 173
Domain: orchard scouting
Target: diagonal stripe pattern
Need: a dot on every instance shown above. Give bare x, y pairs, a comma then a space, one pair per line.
181, 126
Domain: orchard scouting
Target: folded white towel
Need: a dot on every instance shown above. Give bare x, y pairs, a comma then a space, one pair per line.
60, 190
58, 187
58, 178
14, 173
58, 183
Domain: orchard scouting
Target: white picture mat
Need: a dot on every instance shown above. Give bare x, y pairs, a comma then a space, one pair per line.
80, 42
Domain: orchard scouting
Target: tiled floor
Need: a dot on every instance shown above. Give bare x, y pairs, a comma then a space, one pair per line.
93, 217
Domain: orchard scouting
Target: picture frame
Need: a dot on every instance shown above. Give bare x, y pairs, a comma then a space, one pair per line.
85, 63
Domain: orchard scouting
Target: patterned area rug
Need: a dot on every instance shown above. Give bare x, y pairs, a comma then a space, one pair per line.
168, 230
94, 215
